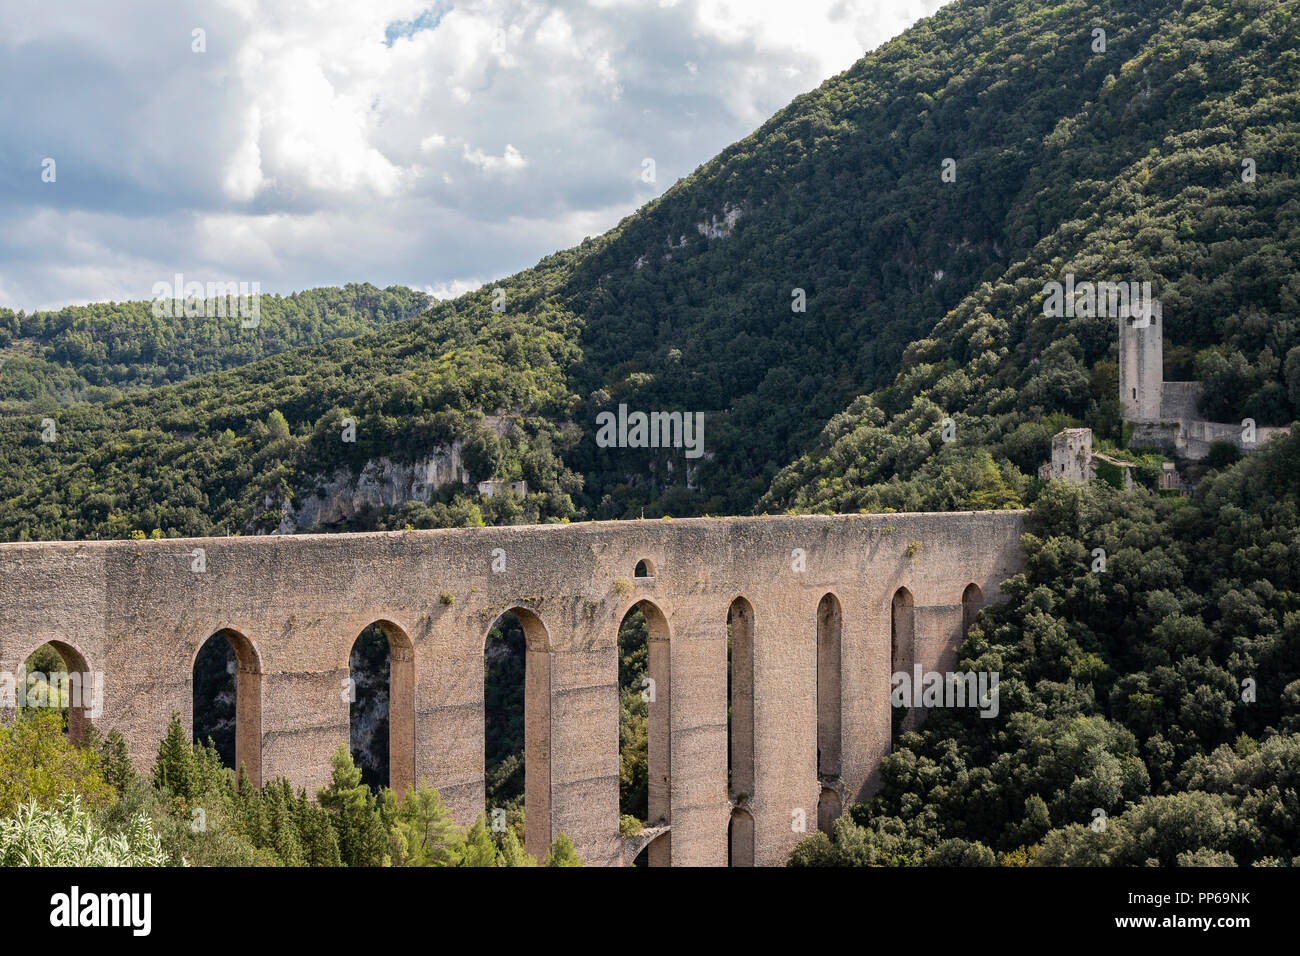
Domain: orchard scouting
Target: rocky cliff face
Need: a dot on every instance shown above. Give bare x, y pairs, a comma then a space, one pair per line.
382, 482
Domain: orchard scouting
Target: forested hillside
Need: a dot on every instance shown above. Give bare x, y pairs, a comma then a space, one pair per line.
1150, 709
1124, 164
868, 264
96, 352
1145, 183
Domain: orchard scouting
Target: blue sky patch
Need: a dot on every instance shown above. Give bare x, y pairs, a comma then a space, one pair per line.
427, 20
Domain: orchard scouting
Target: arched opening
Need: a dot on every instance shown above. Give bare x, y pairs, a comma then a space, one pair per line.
901, 647
227, 701
645, 568
644, 731
56, 675
972, 599
505, 659
829, 808
381, 712
829, 625
740, 839
740, 698
517, 724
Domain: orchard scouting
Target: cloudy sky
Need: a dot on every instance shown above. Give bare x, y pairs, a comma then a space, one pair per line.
432, 143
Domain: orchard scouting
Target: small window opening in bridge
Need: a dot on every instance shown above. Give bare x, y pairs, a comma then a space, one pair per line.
56, 676
740, 698
227, 701
829, 626
381, 714
902, 647
645, 568
644, 735
972, 600
829, 808
517, 725
740, 839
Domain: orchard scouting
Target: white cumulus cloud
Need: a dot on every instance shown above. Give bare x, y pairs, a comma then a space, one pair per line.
433, 143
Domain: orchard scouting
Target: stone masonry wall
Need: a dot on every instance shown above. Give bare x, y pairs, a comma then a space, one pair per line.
138, 613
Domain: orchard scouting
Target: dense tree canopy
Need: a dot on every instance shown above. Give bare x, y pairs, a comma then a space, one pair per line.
1160, 697
922, 301
837, 308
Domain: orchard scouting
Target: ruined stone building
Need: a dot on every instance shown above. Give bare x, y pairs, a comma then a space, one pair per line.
1074, 461
1165, 414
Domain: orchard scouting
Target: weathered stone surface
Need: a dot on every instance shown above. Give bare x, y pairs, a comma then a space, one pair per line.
138, 613
1164, 414
381, 483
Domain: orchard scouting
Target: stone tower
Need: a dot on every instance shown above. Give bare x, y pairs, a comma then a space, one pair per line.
1141, 363
1072, 455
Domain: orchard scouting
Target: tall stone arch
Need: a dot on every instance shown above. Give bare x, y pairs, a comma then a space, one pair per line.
401, 704
82, 685
829, 808
830, 625
902, 647
537, 731
902, 634
740, 687
972, 599
658, 694
740, 838
248, 700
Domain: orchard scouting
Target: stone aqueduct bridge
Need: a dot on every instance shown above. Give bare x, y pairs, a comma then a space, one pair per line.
811, 653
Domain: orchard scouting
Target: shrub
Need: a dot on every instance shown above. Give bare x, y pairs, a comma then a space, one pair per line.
68, 836
39, 765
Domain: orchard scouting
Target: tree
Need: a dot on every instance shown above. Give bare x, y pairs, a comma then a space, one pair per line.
562, 853
354, 814
118, 769
319, 840
281, 824
478, 848
512, 854
423, 833
277, 425
175, 769
39, 765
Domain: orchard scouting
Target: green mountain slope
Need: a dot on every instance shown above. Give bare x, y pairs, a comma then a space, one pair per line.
97, 352
841, 196
1147, 184
1121, 164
